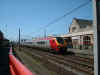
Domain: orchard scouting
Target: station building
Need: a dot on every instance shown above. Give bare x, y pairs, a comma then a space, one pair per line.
81, 33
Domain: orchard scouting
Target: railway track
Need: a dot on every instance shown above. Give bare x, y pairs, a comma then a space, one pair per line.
79, 65
76, 64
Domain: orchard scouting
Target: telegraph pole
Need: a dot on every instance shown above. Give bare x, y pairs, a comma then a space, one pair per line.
6, 29
19, 40
45, 33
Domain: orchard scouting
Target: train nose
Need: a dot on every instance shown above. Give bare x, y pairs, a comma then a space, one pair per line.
58, 47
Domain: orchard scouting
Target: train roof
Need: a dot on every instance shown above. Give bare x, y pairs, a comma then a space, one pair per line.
47, 38
40, 39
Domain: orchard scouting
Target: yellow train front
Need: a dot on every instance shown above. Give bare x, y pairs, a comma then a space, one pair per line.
58, 44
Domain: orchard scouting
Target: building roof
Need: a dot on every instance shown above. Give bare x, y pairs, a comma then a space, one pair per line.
78, 34
83, 21
80, 25
88, 30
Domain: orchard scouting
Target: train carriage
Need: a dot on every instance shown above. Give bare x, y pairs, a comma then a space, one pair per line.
52, 44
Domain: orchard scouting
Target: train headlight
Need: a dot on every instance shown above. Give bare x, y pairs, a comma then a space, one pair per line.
58, 46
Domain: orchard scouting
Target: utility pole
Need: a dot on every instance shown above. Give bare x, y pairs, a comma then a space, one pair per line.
6, 29
19, 40
45, 33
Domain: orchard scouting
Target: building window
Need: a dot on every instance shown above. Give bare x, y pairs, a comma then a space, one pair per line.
73, 29
86, 42
82, 26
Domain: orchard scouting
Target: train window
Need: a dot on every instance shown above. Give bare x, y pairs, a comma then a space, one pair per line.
53, 41
29, 42
38, 42
60, 40
41, 42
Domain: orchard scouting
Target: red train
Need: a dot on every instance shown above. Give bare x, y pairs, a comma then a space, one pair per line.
52, 44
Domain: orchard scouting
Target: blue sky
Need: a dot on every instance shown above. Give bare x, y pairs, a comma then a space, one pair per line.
31, 15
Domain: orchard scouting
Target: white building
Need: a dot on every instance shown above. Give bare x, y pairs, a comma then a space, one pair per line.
81, 32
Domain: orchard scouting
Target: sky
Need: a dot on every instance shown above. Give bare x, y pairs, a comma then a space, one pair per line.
31, 16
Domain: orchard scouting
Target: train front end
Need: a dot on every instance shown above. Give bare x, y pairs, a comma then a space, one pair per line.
59, 45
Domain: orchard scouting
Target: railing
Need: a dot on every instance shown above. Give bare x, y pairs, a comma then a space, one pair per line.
16, 67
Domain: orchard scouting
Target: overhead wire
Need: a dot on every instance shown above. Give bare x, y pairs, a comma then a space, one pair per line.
66, 14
